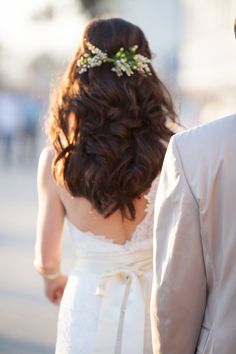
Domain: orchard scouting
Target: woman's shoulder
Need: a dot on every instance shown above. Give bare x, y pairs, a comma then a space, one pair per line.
47, 155
45, 166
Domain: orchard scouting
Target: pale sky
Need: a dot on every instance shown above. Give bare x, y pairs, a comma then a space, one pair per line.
24, 37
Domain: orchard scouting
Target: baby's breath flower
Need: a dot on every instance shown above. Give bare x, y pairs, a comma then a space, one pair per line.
124, 61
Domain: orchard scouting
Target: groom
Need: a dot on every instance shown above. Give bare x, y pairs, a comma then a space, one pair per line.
193, 305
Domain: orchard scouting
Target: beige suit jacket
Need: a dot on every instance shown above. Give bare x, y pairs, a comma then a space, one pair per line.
193, 306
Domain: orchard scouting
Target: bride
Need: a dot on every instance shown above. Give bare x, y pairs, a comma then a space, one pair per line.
108, 132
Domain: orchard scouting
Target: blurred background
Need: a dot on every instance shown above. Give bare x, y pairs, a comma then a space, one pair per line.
195, 55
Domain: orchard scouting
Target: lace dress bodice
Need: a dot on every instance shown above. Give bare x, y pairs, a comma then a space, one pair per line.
142, 234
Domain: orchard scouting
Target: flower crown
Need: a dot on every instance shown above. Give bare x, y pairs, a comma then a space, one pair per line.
125, 61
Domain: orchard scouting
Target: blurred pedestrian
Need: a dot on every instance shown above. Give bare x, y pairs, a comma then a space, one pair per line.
10, 123
30, 129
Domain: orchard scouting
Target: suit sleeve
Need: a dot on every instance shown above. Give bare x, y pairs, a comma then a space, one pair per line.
179, 283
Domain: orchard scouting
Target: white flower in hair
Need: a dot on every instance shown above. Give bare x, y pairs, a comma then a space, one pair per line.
124, 61
87, 61
143, 64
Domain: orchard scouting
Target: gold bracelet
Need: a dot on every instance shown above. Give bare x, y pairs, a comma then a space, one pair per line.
45, 274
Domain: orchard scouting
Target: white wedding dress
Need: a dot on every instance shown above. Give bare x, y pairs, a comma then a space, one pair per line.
105, 306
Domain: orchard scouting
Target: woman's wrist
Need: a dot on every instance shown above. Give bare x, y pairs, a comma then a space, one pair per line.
46, 273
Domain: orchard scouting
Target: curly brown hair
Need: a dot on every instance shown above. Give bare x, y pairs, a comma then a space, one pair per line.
110, 132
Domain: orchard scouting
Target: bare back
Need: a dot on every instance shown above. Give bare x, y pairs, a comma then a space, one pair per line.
81, 214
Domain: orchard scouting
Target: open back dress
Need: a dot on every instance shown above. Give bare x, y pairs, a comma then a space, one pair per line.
105, 305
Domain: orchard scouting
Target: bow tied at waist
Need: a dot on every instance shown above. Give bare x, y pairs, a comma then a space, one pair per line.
123, 291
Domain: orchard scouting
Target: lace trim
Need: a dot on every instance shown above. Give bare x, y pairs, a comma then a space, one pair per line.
151, 196
142, 228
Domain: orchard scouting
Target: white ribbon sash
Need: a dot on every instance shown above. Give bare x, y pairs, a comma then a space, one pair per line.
123, 288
